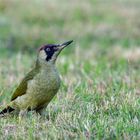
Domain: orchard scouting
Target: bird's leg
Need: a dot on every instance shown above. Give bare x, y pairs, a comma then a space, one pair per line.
22, 113
42, 111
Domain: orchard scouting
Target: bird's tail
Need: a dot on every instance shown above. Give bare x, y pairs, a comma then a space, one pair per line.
6, 110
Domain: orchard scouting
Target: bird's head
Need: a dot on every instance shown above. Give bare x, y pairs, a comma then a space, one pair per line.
49, 52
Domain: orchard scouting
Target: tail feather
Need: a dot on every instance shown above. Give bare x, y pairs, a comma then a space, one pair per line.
7, 110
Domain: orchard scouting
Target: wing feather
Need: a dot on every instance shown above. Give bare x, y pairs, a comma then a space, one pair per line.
21, 89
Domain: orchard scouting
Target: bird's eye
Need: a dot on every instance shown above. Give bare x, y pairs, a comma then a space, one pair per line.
47, 49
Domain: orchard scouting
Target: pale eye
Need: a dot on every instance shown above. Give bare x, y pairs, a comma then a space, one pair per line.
47, 49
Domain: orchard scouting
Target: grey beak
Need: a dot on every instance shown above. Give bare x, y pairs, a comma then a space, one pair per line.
66, 43
62, 46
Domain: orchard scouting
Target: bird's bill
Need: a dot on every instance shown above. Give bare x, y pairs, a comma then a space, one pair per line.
61, 46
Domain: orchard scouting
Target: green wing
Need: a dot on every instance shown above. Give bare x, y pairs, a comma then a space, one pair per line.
21, 89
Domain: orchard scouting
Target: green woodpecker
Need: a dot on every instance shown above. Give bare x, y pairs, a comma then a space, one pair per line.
40, 85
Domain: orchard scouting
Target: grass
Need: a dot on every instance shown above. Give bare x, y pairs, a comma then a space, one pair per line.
99, 95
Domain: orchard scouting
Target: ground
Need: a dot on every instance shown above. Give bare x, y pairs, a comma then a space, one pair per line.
100, 90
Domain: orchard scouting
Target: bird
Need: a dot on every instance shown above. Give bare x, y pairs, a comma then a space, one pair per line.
40, 85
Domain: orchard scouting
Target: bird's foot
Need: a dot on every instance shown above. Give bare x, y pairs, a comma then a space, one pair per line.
22, 114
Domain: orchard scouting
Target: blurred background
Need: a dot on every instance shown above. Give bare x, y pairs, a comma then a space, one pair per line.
103, 31
100, 70
92, 24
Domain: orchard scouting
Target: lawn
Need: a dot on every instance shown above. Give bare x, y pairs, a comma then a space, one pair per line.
99, 96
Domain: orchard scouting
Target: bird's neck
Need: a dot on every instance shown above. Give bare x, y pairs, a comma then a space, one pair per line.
48, 66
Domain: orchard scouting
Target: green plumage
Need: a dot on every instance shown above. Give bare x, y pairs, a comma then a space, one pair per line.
37, 89
21, 89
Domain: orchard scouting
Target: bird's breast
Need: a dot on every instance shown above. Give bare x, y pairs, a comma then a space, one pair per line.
44, 86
